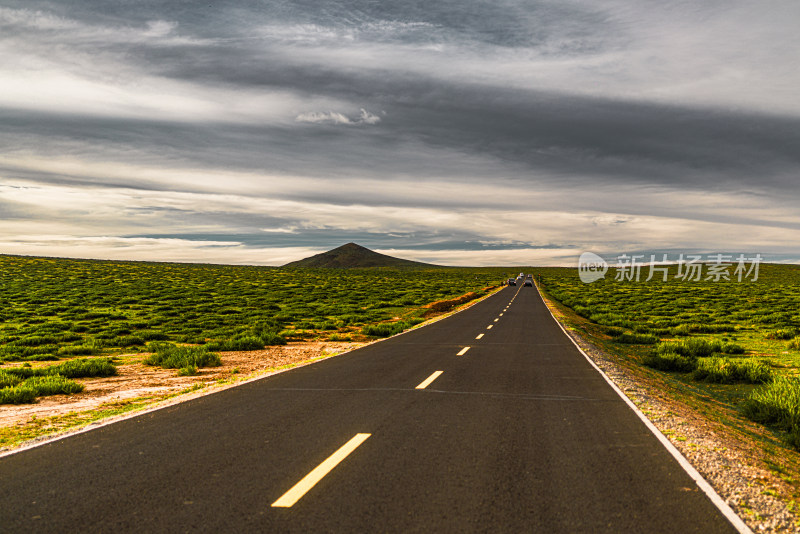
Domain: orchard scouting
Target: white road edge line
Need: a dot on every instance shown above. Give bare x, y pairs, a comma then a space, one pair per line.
427, 381
463, 351
288, 499
701, 482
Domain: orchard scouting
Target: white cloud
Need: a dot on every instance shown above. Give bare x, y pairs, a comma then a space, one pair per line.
87, 219
319, 117
489, 258
148, 249
160, 28
36, 20
332, 117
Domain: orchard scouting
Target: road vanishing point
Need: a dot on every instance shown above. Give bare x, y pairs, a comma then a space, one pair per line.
490, 420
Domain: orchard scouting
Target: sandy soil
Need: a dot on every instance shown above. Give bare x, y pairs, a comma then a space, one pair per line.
135, 379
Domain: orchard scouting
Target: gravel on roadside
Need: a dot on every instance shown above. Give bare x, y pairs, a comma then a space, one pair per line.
723, 462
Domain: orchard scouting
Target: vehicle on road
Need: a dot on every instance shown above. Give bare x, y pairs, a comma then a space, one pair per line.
528, 282
511, 282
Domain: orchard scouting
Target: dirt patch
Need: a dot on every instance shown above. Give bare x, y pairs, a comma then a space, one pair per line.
443, 306
134, 379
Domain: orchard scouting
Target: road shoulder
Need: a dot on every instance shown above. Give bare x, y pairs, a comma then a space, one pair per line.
726, 460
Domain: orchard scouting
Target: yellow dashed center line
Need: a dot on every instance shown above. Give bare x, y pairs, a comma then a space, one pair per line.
489, 327
463, 351
479, 336
428, 380
310, 480
496, 320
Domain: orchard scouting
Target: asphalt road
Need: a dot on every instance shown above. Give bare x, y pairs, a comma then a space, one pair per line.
518, 434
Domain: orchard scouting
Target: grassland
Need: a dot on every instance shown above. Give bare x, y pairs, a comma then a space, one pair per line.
730, 343
52, 309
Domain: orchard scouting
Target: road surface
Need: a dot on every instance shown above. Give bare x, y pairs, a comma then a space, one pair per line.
517, 433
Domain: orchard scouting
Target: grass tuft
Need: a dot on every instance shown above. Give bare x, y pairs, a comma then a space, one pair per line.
9, 380
240, 343
694, 347
730, 371
85, 367
17, 395
777, 404
670, 361
388, 329
636, 339
79, 350
782, 334
80, 368
52, 385
169, 356
25, 392
189, 370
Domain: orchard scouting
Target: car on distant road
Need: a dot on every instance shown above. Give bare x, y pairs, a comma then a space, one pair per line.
528, 282
511, 282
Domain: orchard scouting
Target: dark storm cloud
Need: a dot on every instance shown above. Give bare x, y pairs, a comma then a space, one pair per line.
503, 23
356, 103
575, 140
555, 136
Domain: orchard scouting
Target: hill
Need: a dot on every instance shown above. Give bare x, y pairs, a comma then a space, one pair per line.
353, 256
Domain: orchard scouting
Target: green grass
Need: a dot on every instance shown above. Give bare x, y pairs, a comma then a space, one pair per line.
57, 308
730, 371
784, 333
79, 350
670, 361
52, 385
19, 385
170, 356
78, 368
692, 347
29, 389
84, 367
17, 395
778, 405
189, 370
725, 334
636, 339
389, 329
238, 343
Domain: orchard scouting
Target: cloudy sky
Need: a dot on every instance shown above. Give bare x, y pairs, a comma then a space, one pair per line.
465, 132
